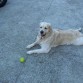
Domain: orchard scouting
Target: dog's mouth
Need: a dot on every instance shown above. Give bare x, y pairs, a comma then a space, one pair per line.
43, 35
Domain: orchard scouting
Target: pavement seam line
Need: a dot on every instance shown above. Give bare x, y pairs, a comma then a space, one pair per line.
48, 9
27, 56
20, 72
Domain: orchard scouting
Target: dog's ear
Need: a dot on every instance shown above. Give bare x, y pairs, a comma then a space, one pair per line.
49, 25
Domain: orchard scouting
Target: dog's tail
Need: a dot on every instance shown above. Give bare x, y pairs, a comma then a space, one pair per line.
80, 29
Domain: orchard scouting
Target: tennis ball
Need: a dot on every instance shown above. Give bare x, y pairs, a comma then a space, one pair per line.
22, 59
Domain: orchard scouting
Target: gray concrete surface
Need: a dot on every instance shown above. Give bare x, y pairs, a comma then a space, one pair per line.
19, 22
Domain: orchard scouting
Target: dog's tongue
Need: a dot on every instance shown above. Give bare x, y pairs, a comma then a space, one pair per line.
43, 35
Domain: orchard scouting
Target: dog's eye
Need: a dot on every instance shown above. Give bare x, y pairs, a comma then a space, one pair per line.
40, 27
45, 28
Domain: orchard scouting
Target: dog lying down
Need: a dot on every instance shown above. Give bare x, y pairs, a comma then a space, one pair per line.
48, 38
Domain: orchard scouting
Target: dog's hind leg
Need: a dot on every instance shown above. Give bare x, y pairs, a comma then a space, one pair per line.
78, 41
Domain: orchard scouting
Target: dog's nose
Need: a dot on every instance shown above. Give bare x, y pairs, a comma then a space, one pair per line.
41, 32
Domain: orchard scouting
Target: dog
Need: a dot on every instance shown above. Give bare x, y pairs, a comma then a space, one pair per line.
48, 38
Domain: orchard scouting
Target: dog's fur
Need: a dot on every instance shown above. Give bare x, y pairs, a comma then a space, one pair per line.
48, 38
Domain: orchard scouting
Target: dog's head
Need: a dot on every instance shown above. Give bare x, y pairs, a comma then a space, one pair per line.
45, 29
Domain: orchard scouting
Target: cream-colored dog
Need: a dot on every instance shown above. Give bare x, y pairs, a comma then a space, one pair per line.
48, 38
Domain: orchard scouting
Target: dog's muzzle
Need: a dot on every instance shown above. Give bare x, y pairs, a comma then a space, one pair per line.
42, 33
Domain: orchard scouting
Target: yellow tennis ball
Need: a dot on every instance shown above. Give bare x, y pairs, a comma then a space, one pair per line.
22, 59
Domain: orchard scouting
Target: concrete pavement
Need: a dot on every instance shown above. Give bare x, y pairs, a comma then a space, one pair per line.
19, 22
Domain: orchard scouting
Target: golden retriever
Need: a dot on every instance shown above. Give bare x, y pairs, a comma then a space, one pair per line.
48, 38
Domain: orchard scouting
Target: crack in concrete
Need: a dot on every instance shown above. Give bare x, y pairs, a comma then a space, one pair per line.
27, 56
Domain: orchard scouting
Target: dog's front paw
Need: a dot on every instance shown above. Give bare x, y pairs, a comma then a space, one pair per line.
29, 46
29, 52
